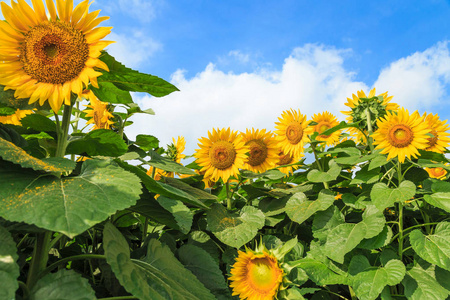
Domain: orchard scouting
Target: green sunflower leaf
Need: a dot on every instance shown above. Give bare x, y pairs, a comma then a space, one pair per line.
441, 196
343, 239
66, 204
319, 273
433, 248
108, 92
299, 208
9, 269
383, 196
130, 80
331, 174
181, 213
160, 276
424, 283
234, 229
16, 155
147, 142
99, 142
167, 164
64, 284
38, 122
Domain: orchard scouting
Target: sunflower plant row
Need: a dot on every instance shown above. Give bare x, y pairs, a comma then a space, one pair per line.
316, 209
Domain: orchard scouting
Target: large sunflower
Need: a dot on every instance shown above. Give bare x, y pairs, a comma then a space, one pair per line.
440, 139
263, 153
222, 154
15, 118
292, 132
324, 122
356, 110
400, 134
49, 57
256, 276
285, 160
100, 116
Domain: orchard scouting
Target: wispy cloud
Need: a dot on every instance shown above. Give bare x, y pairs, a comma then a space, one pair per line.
143, 11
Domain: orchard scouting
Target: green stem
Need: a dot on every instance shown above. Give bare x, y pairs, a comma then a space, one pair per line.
313, 147
71, 258
400, 215
63, 132
24, 288
227, 185
369, 129
39, 258
413, 227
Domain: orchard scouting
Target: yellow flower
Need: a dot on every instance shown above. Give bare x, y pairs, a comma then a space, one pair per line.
440, 139
15, 118
256, 276
176, 149
222, 154
438, 173
286, 159
99, 113
356, 101
263, 153
401, 134
292, 132
49, 57
157, 173
324, 122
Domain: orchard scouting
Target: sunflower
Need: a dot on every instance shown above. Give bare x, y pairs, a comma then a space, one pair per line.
292, 132
175, 150
324, 122
157, 175
286, 159
357, 108
222, 154
401, 134
440, 139
438, 173
49, 57
263, 153
15, 118
100, 115
256, 275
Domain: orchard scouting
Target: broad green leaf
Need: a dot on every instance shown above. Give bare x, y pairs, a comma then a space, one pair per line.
396, 271
433, 248
99, 142
9, 269
349, 151
331, 174
352, 160
383, 196
12, 136
324, 221
273, 174
197, 193
319, 272
38, 122
439, 200
161, 188
381, 240
299, 208
366, 176
133, 81
62, 285
205, 268
147, 142
108, 92
69, 205
234, 229
421, 284
374, 220
358, 264
16, 155
182, 214
343, 239
167, 164
41, 135
377, 161
160, 276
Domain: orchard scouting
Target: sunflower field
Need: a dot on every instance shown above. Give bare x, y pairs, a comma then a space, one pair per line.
316, 209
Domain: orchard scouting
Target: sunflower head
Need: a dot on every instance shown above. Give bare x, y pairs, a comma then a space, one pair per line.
292, 132
262, 150
98, 112
439, 140
284, 162
49, 57
360, 104
438, 173
325, 121
15, 118
221, 154
175, 150
401, 135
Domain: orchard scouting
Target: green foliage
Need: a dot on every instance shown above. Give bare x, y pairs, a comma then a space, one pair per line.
100, 142
9, 270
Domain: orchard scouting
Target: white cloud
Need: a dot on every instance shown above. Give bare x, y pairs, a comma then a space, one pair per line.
142, 10
419, 80
312, 79
132, 49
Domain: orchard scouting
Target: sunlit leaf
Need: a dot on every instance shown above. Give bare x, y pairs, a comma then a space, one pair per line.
299, 208
102, 142
383, 196
331, 174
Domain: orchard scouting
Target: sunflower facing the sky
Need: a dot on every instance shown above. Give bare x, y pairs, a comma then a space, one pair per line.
292, 132
98, 112
324, 122
440, 139
49, 57
221, 154
263, 153
256, 275
15, 118
401, 135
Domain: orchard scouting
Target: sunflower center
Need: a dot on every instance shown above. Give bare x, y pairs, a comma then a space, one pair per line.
284, 159
222, 155
400, 136
321, 127
258, 152
263, 274
294, 133
54, 52
432, 140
